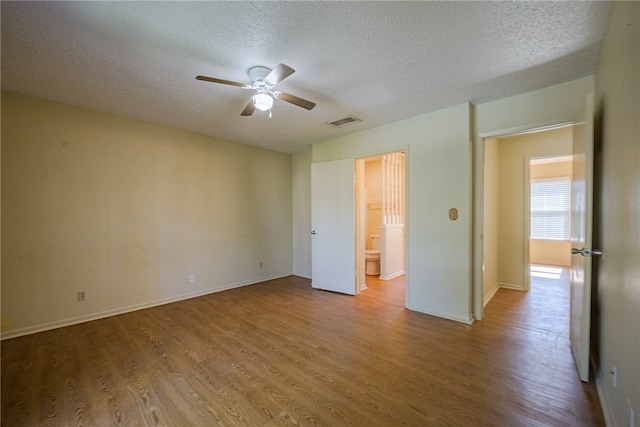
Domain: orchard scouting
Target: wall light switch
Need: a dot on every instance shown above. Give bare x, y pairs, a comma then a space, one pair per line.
192, 278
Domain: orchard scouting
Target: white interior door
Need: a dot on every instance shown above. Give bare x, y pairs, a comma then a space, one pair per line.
333, 226
581, 236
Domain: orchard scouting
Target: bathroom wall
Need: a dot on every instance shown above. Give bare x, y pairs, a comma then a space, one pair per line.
392, 240
373, 184
392, 251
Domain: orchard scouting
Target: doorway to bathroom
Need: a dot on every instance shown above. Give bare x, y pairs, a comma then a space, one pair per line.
380, 220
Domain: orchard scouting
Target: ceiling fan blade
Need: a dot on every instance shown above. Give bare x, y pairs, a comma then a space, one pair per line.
278, 74
249, 108
224, 82
295, 100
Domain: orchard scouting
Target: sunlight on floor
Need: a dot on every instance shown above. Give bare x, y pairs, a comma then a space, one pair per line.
545, 271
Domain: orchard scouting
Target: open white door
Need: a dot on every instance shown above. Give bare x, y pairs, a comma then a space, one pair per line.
581, 236
333, 222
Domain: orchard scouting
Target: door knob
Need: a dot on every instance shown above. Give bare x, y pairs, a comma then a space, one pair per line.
587, 252
314, 232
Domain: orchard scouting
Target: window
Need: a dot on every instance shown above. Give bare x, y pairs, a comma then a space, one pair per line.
551, 208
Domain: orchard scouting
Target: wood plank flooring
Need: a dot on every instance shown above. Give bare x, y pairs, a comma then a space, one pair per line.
280, 353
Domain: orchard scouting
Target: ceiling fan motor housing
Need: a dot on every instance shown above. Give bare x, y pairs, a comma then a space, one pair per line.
258, 73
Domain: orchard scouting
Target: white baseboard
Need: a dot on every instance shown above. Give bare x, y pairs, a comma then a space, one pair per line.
114, 312
607, 410
392, 276
468, 320
303, 275
490, 295
511, 286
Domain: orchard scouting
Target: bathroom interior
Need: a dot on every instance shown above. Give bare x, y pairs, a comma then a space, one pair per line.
383, 201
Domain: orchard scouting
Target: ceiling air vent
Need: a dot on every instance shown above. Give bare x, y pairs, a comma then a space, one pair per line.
345, 122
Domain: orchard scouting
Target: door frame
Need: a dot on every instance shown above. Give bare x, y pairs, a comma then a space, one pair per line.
360, 238
526, 224
478, 199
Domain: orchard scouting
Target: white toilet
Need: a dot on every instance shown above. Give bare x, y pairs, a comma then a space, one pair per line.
372, 257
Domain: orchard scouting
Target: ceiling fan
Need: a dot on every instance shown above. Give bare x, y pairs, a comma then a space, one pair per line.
263, 82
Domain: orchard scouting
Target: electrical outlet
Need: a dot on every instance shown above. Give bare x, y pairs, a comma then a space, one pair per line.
260, 264
614, 375
192, 278
630, 417
81, 296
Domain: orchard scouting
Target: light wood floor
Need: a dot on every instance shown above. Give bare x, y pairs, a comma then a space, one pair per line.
282, 354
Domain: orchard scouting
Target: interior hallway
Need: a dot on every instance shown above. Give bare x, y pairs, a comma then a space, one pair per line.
282, 353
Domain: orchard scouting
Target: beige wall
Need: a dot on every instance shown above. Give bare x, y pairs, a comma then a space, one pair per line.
550, 252
126, 211
506, 160
551, 170
514, 154
503, 233
553, 252
617, 214
373, 184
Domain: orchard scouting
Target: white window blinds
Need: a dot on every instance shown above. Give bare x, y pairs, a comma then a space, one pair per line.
551, 208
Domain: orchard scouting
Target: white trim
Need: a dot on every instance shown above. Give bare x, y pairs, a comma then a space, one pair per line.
526, 210
392, 276
530, 128
511, 286
551, 159
114, 312
607, 409
468, 320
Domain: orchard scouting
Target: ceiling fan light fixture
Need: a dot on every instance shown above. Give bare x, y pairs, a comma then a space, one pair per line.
263, 82
262, 101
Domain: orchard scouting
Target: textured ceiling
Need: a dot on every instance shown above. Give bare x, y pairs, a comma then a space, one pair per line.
379, 61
